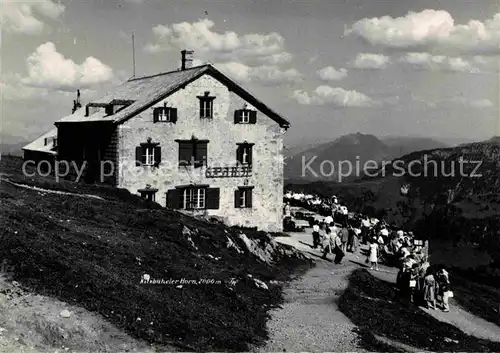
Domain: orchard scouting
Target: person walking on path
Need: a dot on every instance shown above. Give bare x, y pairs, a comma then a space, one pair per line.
414, 284
344, 238
444, 288
430, 290
355, 240
327, 243
365, 229
315, 234
339, 253
373, 255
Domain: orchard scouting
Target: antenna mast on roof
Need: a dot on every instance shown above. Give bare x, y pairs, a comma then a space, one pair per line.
133, 56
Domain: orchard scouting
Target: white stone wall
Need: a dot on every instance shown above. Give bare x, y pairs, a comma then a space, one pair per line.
223, 134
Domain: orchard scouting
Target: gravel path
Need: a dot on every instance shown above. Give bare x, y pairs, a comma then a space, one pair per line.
310, 319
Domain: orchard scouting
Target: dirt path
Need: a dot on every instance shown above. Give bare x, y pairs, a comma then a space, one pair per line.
53, 191
310, 319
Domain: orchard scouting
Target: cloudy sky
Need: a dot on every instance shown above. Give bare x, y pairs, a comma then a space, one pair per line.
331, 67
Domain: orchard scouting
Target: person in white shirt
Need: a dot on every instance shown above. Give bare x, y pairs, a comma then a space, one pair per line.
327, 243
315, 234
328, 220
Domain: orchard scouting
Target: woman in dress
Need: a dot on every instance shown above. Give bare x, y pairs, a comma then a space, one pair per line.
373, 255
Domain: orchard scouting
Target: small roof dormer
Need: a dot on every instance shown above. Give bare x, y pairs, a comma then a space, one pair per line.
116, 105
109, 108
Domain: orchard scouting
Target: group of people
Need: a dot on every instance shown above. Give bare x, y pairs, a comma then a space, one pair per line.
341, 231
332, 238
424, 285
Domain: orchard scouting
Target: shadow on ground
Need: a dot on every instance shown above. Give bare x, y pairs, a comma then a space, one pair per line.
371, 304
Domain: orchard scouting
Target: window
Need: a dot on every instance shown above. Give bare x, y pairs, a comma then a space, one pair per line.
206, 109
165, 114
193, 152
244, 153
148, 193
243, 197
193, 197
206, 106
54, 143
148, 154
245, 116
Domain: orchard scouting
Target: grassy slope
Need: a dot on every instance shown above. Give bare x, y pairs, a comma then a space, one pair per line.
369, 303
93, 253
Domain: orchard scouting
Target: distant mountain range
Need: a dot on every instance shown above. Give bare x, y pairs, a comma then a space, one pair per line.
355, 149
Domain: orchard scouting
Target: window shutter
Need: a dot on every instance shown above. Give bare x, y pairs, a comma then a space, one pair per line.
212, 198
201, 154
237, 116
253, 117
248, 198
174, 198
157, 155
155, 115
185, 153
237, 198
201, 108
173, 115
250, 155
138, 156
239, 154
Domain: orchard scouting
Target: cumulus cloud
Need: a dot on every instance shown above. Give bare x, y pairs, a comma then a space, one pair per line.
334, 95
370, 61
426, 61
330, 73
27, 16
214, 46
263, 74
49, 69
246, 57
430, 29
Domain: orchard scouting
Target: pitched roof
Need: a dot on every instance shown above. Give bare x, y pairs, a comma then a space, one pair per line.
149, 90
39, 144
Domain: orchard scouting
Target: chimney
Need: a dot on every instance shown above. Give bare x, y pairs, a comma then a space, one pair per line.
187, 59
76, 103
